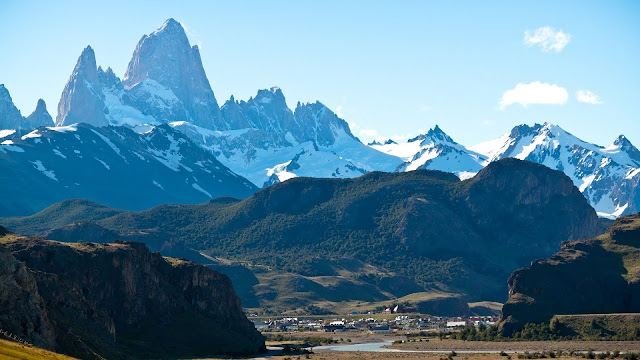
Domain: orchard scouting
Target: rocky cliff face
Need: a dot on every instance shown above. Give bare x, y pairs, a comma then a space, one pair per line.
24, 311
11, 118
82, 99
39, 117
119, 298
594, 276
164, 63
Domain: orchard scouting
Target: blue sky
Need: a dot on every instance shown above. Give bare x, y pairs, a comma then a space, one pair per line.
393, 68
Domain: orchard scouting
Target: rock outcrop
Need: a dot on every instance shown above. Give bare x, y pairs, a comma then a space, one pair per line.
595, 276
82, 99
23, 310
10, 117
165, 68
39, 117
120, 299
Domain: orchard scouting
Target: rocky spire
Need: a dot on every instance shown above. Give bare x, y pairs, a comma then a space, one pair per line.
316, 122
82, 99
39, 117
10, 117
165, 66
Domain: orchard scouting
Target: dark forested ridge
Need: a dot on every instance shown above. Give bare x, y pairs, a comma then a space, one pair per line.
430, 228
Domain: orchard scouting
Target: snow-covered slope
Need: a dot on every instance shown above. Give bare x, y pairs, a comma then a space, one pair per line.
264, 141
268, 143
608, 177
111, 165
434, 150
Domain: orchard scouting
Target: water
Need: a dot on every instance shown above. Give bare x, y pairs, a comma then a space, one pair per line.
380, 347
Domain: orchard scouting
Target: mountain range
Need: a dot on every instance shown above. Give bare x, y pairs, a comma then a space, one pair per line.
265, 142
312, 241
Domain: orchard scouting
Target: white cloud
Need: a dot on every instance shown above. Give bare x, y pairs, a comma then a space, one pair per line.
339, 111
194, 36
587, 97
424, 108
547, 38
535, 93
369, 132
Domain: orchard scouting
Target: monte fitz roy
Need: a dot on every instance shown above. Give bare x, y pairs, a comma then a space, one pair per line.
145, 218
158, 135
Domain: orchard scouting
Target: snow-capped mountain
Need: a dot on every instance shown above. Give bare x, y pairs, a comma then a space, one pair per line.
111, 165
164, 82
434, 150
269, 143
264, 141
165, 79
608, 177
12, 119
261, 138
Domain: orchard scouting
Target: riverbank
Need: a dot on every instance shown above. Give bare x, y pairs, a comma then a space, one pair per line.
519, 346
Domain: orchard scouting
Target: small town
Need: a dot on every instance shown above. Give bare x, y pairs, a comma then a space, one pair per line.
373, 325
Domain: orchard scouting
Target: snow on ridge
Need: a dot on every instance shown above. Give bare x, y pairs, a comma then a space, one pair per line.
33, 134
62, 129
57, 152
208, 132
108, 142
40, 167
103, 163
197, 187
7, 132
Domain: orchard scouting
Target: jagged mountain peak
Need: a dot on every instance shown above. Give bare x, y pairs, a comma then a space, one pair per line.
108, 78
86, 65
166, 69
170, 26
622, 144
524, 130
41, 106
272, 95
82, 99
4, 92
39, 117
10, 116
435, 135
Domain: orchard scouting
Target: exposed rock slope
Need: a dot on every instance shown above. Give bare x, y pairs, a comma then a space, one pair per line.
594, 276
120, 299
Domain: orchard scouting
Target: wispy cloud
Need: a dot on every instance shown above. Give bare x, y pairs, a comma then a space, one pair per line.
194, 36
587, 97
535, 93
424, 108
372, 133
547, 38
